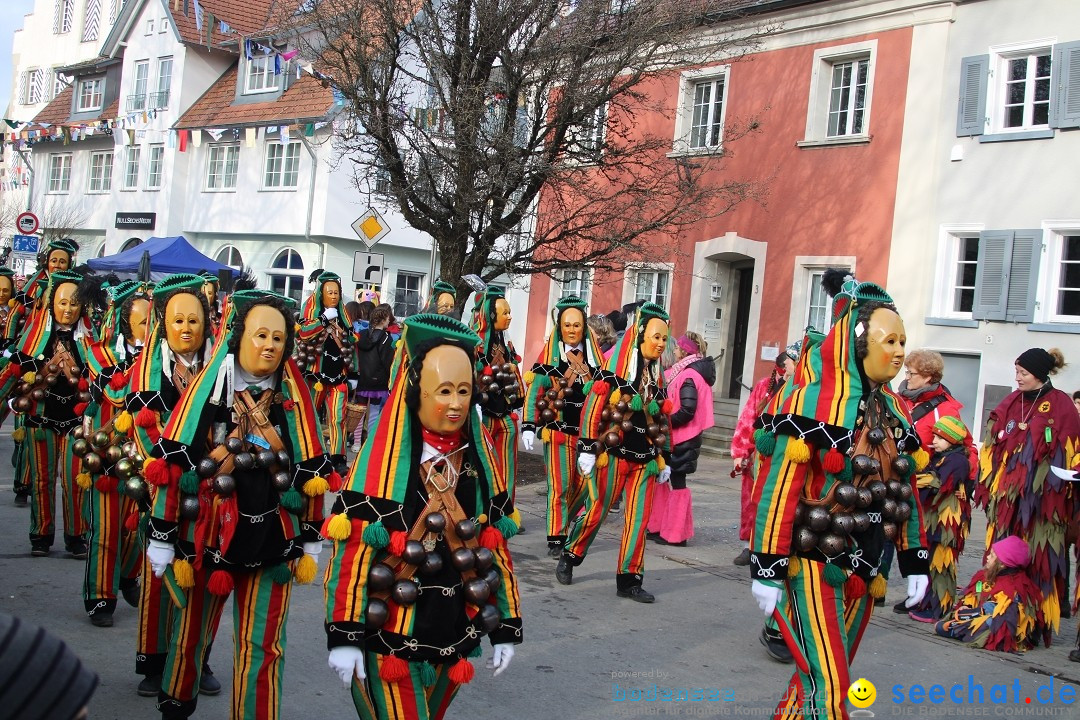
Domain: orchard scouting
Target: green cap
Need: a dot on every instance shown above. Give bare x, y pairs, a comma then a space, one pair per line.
429, 326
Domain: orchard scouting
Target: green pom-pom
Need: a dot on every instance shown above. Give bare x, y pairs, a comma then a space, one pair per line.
587, 388
506, 526
835, 575
652, 468
764, 441
281, 574
476, 652
654, 408
189, 483
292, 500
92, 409
376, 535
427, 674
637, 404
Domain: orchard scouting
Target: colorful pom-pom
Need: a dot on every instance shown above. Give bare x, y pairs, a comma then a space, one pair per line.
921, 458
878, 586
602, 460
393, 669
80, 408
184, 573
291, 500
427, 674
543, 381
118, 381
396, 546
834, 575
462, 672
335, 481
855, 587
793, 567
107, 483
123, 422
337, 527
29, 377
834, 461
318, 387
18, 435
376, 535
189, 483
487, 371
615, 397
528, 377
507, 526
491, 538
305, 571
667, 406
83, 480
764, 441
220, 583
476, 652
600, 387
288, 405
316, 486
131, 522
653, 408
281, 573
637, 403
146, 418
156, 472
83, 385
797, 451
652, 468
661, 463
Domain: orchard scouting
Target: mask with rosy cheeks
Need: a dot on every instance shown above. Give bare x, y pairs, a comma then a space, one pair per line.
572, 326
654, 339
137, 316
444, 303
331, 295
66, 308
6, 288
446, 385
185, 326
262, 347
502, 315
58, 260
885, 341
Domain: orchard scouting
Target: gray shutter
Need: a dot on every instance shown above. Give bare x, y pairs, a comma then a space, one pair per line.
56, 16
992, 281
1065, 86
971, 107
1023, 275
20, 91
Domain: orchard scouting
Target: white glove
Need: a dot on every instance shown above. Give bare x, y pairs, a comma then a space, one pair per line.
313, 549
586, 462
916, 588
664, 475
160, 556
501, 655
766, 595
330, 313
528, 437
348, 661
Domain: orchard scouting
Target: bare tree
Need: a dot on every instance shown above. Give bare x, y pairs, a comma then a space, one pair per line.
469, 115
61, 218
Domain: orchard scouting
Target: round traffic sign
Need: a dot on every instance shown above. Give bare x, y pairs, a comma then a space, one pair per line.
27, 223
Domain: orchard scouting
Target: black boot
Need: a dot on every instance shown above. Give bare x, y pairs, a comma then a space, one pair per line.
564, 571
628, 585
129, 590
776, 647
208, 684
100, 611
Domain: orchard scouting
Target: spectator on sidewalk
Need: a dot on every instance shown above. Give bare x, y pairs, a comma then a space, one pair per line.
375, 354
40, 677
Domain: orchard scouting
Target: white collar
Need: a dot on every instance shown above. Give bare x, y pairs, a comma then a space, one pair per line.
247, 380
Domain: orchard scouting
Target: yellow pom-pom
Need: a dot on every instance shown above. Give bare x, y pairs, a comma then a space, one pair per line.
339, 527
318, 387
184, 573
123, 422
316, 486
19, 435
660, 462
793, 567
528, 377
797, 451
29, 378
11, 303
878, 586
516, 517
615, 397
602, 460
83, 480
921, 458
305, 570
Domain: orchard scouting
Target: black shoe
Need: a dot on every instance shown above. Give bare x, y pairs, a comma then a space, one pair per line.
615, 508
662, 541
743, 558
637, 594
1075, 655
77, 550
208, 684
901, 607
521, 529
131, 594
101, 619
21, 500
775, 647
879, 602
39, 549
564, 571
150, 686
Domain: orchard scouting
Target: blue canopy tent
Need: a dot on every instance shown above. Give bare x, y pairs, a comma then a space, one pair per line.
167, 255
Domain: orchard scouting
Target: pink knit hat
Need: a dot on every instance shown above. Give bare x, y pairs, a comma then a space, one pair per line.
1011, 551
687, 345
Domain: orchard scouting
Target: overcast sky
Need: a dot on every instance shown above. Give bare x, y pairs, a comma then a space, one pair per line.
11, 19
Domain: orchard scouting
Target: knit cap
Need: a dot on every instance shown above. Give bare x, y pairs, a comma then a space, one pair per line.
951, 428
40, 677
1011, 551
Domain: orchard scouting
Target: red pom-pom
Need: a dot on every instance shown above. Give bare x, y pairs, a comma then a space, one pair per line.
834, 461
157, 472
341, 387
118, 380
84, 385
397, 542
131, 522
393, 669
462, 672
491, 538
220, 583
601, 387
146, 418
667, 406
487, 371
514, 416
854, 587
80, 408
288, 405
107, 484
335, 481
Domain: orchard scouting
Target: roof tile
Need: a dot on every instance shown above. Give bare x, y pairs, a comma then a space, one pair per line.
305, 100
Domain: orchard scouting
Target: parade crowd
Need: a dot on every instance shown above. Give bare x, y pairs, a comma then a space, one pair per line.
199, 437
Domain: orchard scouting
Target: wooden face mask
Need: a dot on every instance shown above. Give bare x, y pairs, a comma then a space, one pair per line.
331, 294
654, 339
185, 326
885, 340
6, 288
572, 326
446, 386
66, 307
137, 317
262, 347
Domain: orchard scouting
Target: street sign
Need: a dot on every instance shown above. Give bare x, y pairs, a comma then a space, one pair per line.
370, 227
367, 267
27, 223
27, 244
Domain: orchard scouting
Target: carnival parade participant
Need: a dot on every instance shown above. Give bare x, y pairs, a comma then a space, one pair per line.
834, 484
442, 299
420, 570
1033, 430
43, 371
210, 291
331, 345
241, 460
556, 396
7, 297
623, 441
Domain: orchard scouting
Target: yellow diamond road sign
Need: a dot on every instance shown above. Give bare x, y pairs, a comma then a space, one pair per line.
370, 227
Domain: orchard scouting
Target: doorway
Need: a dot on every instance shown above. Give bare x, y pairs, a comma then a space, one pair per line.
743, 275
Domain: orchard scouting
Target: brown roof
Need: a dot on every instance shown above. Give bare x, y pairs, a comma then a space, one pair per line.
247, 17
58, 111
305, 100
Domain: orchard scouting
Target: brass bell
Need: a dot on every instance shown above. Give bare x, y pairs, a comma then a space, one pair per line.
432, 564
806, 539
477, 591
124, 468
380, 577
80, 447
405, 592
865, 499
225, 485
877, 490
282, 481
832, 544
875, 436
843, 524
136, 489
491, 577
435, 522
861, 464
462, 559
113, 454
376, 614
91, 462
818, 519
890, 530
862, 521
413, 553
489, 618
189, 507
100, 439
234, 444
244, 461
888, 509
612, 439
484, 558
37, 394
846, 494
465, 529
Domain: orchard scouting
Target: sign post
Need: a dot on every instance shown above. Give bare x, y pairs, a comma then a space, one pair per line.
370, 227
27, 223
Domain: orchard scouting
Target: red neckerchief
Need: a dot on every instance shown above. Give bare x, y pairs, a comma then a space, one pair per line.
445, 444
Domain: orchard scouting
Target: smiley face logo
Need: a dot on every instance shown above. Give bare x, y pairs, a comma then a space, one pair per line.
862, 693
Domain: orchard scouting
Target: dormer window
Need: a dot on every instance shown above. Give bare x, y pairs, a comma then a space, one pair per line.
260, 76
90, 94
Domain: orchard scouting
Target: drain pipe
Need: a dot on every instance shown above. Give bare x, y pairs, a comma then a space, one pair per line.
311, 199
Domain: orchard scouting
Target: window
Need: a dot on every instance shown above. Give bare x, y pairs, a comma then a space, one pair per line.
137, 99
164, 26
1061, 295
131, 243
260, 75
100, 172
407, 293
652, 286
966, 264
90, 94
160, 99
59, 173
1026, 91
33, 86
154, 167
810, 304
1006, 275
841, 88
221, 167
586, 141
707, 116
58, 83
287, 274
817, 307
64, 17
282, 165
382, 181
91, 20
150, 26
131, 168
230, 256
574, 281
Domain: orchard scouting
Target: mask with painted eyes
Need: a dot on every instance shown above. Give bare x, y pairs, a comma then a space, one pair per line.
572, 326
446, 386
7, 287
58, 260
331, 295
502, 315
444, 304
262, 346
137, 317
654, 339
885, 341
66, 307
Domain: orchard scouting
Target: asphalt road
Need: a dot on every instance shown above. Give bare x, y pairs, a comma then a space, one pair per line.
587, 653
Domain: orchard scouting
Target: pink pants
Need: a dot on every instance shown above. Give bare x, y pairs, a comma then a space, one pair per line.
747, 508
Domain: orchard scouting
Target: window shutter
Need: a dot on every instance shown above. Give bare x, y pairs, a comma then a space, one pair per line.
992, 282
57, 11
92, 21
1023, 274
1065, 86
971, 108
20, 91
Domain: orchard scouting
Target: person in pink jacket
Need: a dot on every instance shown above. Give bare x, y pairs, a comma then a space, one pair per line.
689, 381
742, 443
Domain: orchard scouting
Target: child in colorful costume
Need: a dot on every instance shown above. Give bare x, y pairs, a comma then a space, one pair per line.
624, 436
554, 403
834, 484
420, 570
241, 457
